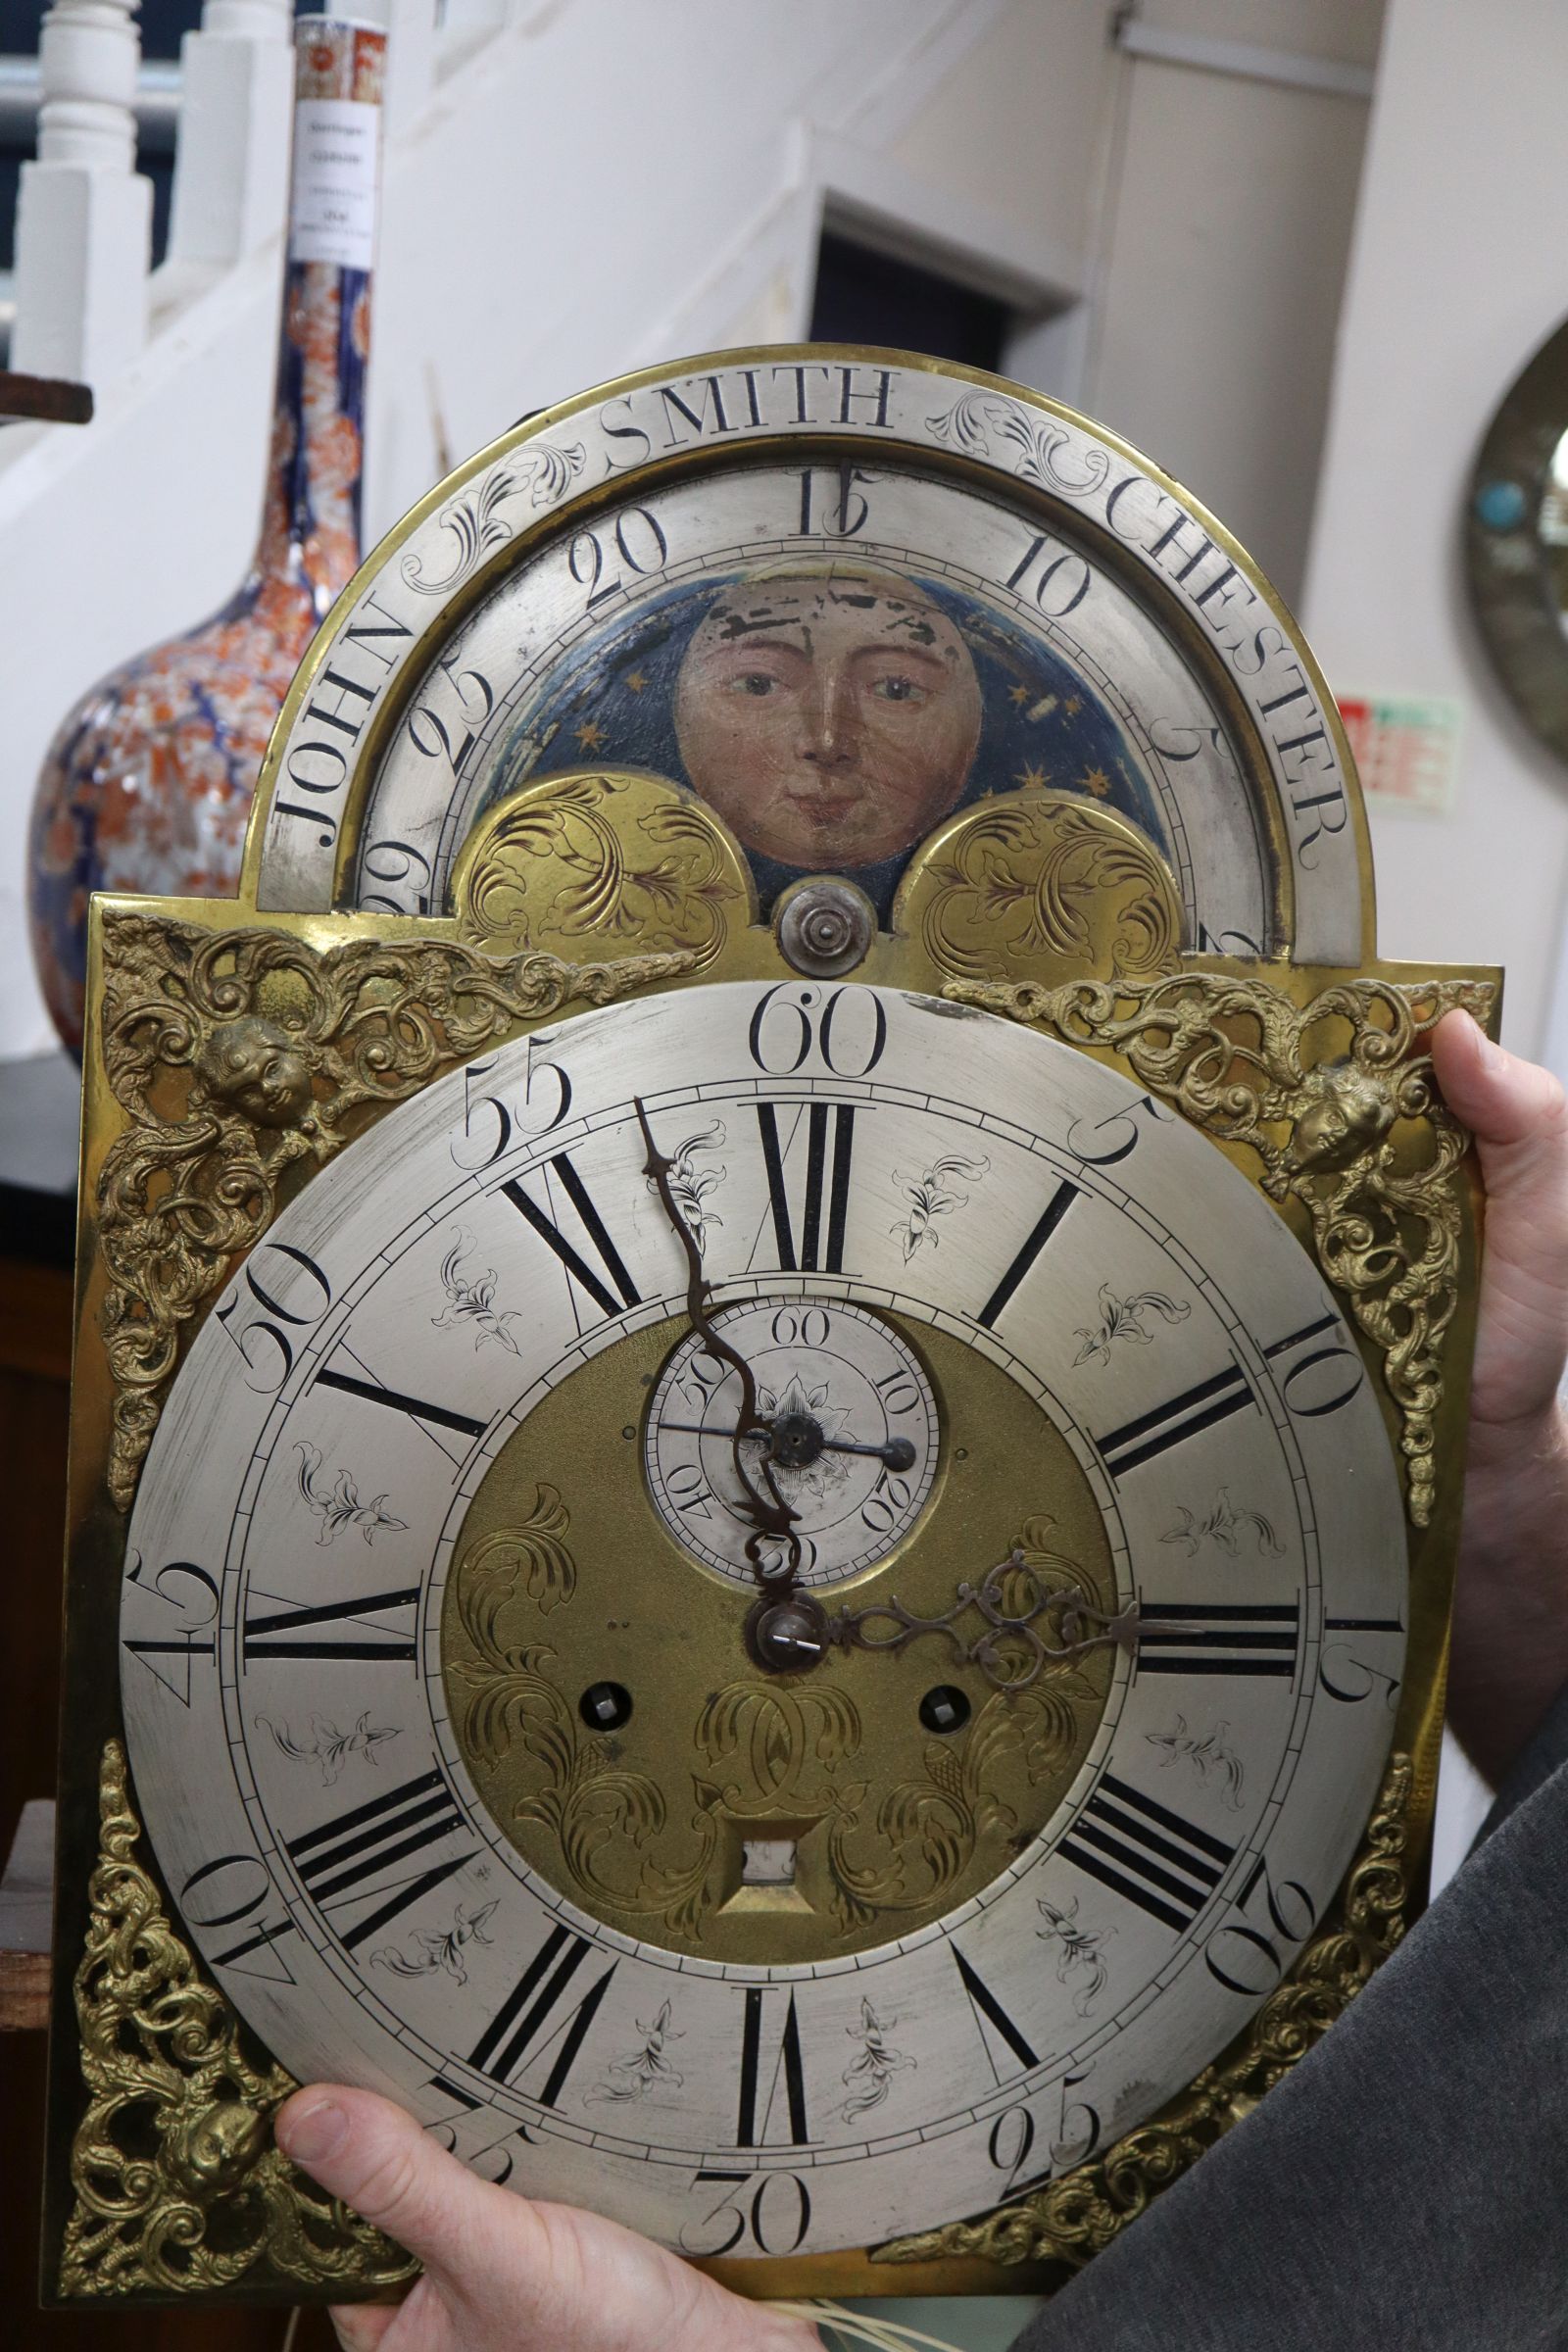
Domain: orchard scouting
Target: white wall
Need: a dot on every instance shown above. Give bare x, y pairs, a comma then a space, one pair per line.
1459, 268
614, 182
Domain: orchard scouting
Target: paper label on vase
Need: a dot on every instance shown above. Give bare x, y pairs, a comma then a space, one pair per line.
333, 211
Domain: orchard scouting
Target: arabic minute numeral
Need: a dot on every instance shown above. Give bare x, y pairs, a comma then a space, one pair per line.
265, 1327
437, 738
1310, 1398
1167, 1866
1239, 945
1339, 1661
839, 509
887, 1498
400, 866
1240, 1955
1124, 1125
534, 2019
522, 1116
234, 1889
1059, 584
843, 1029
188, 1641
776, 2217
639, 541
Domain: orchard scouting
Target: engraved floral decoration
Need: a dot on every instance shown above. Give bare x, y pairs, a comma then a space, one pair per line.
769, 1753
931, 1195
602, 857
1080, 1962
530, 1556
471, 1299
1214, 1762
1225, 1526
1020, 885
1077, 2215
868, 2079
1336, 1100
980, 422
177, 2182
439, 1951
640, 2073
338, 1505
241, 1059
692, 1184
328, 1749
540, 476
1125, 1319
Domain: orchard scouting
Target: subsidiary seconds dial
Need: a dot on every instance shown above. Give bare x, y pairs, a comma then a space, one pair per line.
851, 1435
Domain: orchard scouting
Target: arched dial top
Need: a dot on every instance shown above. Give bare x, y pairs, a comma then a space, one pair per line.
839, 595
499, 1812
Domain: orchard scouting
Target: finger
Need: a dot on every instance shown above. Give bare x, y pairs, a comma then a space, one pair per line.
367, 2151
359, 2327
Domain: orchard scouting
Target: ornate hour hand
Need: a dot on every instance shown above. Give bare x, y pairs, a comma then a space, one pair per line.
1049, 1622
772, 1519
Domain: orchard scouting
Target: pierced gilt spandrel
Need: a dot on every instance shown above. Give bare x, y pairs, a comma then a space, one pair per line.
178, 2185
239, 1058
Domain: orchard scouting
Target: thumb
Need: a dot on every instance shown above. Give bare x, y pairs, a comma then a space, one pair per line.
367, 2151
1514, 1109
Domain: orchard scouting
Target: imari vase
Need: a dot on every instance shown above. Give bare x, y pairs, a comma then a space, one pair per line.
148, 783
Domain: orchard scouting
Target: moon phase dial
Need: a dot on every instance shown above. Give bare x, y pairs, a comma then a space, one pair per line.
851, 1436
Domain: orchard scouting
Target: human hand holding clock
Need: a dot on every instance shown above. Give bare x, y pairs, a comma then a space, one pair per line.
500, 2271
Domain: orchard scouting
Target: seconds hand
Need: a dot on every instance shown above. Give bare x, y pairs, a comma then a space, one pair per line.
897, 1453
770, 1515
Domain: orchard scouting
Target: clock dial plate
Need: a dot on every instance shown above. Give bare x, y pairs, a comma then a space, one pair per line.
1022, 1932
839, 600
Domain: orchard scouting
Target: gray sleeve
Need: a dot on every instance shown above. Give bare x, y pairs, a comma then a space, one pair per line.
1407, 2188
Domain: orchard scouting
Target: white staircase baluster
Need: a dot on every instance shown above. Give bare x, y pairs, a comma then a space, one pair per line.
411, 29
231, 167
85, 214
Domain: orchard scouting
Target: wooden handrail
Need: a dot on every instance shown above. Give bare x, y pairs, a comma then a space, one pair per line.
49, 396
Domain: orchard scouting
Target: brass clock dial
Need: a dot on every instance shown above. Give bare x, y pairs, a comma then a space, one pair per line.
839, 596
501, 1813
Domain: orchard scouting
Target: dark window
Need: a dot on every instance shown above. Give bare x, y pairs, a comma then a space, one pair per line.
164, 25
866, 297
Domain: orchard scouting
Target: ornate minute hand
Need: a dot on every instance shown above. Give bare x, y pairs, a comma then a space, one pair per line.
770, 1515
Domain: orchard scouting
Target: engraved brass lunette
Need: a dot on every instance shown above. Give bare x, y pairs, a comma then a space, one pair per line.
178, 2182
